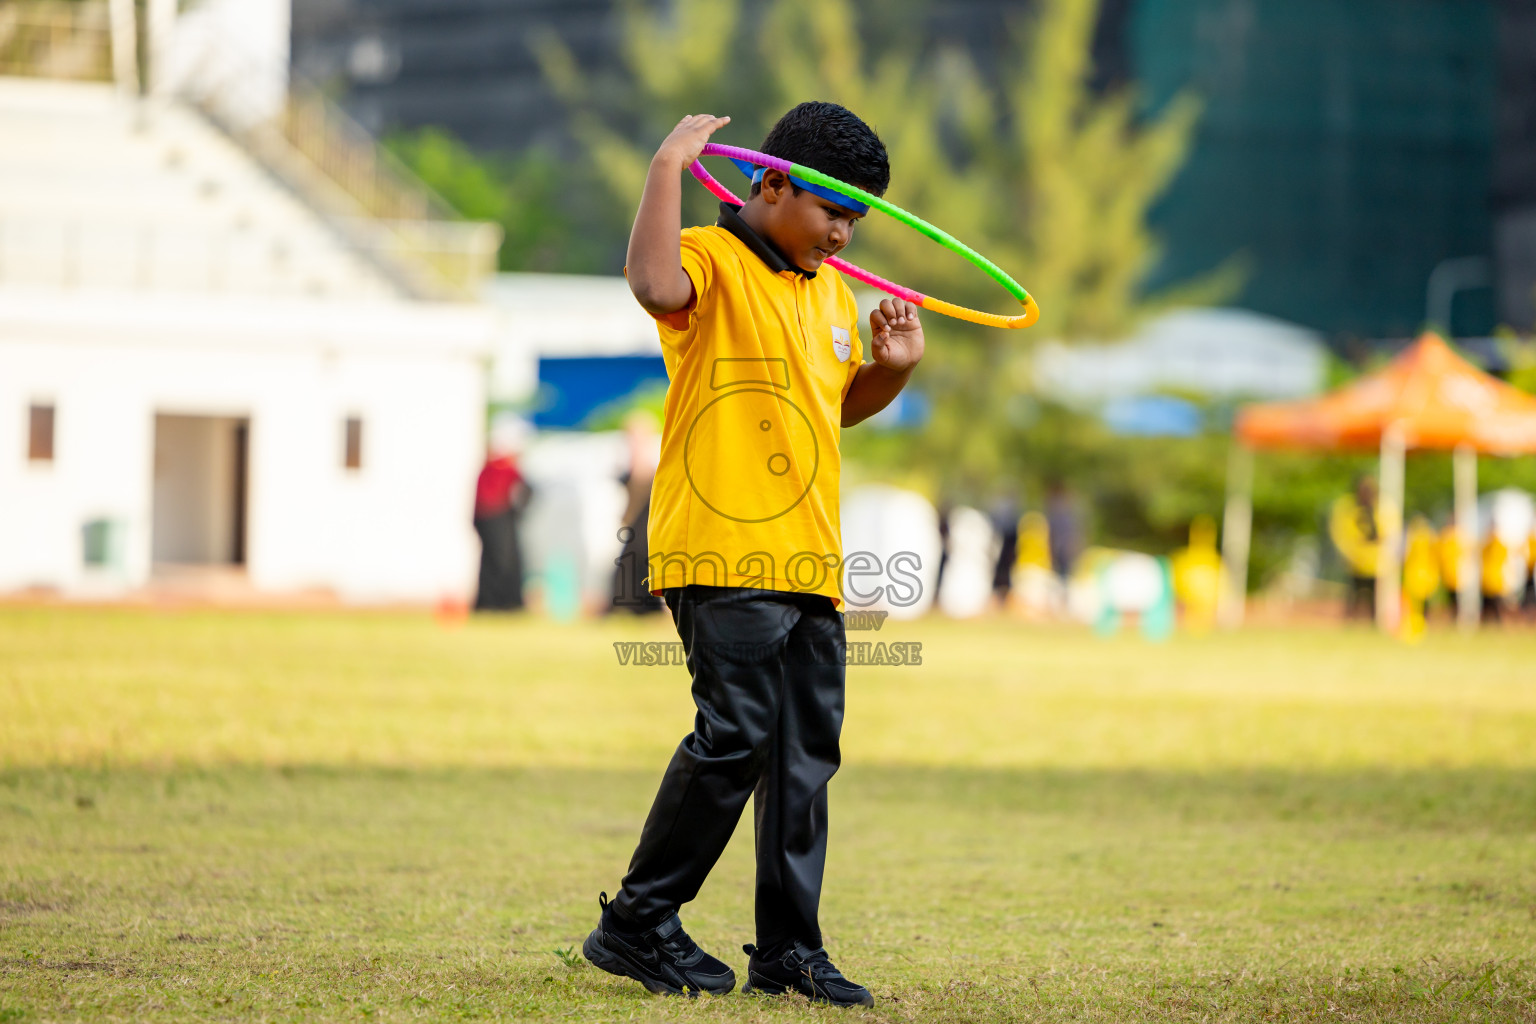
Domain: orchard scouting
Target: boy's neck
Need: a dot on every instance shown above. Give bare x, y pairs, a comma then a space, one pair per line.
758, 216
755, 214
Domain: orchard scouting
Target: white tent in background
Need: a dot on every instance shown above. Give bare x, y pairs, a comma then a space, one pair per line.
1215, 352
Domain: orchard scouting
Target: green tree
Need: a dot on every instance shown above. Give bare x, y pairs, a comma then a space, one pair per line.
550, 224
689, 59
1039, 172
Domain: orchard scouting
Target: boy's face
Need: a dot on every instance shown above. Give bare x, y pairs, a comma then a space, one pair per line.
805, 227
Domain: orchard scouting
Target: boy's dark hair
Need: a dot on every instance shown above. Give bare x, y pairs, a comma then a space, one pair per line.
834, 141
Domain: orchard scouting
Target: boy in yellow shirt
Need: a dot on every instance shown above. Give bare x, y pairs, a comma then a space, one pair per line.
765, 362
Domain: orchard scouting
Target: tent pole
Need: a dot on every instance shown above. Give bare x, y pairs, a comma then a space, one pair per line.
1389, 502
1236, 531
125, 46
1468, 586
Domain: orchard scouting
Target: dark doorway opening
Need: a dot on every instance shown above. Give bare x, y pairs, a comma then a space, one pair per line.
201, 490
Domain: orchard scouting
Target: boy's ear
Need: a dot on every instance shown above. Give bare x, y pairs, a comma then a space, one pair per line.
774, 185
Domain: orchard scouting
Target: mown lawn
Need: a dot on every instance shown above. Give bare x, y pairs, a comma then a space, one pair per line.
378, 817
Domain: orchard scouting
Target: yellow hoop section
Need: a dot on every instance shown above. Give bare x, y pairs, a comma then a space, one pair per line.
1029, 316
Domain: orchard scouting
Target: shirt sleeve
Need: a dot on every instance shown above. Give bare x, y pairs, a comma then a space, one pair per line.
678, 328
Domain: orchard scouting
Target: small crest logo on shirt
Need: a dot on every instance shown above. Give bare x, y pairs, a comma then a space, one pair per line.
842, 344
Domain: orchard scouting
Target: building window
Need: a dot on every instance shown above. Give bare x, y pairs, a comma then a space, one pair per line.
40, 433
353, 457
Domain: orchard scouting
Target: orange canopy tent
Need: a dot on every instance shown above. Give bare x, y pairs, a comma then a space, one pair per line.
1427, 397
1431, 395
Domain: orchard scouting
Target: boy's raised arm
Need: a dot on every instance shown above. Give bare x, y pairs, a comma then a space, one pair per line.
654, 263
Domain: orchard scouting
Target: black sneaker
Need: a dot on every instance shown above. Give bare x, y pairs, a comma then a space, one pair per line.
803, 970
663, 959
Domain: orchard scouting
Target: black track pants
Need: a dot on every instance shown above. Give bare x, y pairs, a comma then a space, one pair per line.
767, 672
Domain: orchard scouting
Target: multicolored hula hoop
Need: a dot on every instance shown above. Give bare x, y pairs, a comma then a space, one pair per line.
1031, 310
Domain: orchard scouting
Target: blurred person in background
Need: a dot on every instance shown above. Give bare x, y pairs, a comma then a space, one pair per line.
1495, 575
945, 508
1064, 522
501, 494
1005, 522
1037, 591
1452, 543
633, 564
1421, 574
1197, 576
1354, 526
1528, 593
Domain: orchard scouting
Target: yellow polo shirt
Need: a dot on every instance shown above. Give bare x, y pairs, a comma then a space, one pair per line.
746, 494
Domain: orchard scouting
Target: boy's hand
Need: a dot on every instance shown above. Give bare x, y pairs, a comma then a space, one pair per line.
689, 137
896, 342
896, 335
654, 261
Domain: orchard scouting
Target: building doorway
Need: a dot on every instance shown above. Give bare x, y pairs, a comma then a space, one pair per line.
202, 471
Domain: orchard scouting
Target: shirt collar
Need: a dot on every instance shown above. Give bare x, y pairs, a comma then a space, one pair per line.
730, 219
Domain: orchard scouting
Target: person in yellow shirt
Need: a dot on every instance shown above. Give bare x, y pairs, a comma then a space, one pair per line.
1354, 525
1528, 594
1495, 570
1453, 543
1421, 575
765, 366
1197, 576
1037, 589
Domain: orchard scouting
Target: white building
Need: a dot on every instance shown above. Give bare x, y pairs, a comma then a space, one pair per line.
207, 373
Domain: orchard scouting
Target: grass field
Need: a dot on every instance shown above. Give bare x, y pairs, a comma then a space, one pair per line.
220, 816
